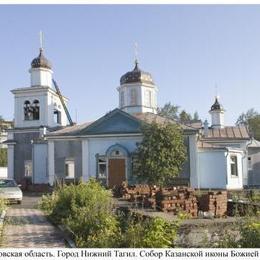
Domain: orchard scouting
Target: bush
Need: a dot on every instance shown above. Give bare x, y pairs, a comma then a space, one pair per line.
250, 234
149, 233
3, 157
3, 205
86, 209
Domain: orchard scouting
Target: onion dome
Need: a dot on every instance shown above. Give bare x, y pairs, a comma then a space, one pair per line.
136, 76
41, 61
216, 105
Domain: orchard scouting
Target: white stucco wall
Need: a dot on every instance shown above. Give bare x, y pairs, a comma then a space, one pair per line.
53, 102
235, 182
47, 99
41, 77
212, 169
244, 163
19, 100
3, 172
100, 146
140, 105
10, 161
51, 163
217, 119
40, 163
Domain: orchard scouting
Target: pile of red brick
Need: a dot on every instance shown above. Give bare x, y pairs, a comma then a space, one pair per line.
177, 199
214, 202
140, 194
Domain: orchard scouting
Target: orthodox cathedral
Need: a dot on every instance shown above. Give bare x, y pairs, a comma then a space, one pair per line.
43, 148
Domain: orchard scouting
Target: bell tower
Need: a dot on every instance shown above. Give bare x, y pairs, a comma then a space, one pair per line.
39, 104
37, 109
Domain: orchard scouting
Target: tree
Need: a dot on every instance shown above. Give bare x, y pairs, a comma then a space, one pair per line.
244, 117
184, 117
172, 112
3, 157
161, 154
168, 110
251, 119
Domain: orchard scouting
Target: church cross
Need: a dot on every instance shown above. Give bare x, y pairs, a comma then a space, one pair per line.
41, 40
136, 52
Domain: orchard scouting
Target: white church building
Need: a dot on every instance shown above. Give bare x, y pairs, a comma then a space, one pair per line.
43, 148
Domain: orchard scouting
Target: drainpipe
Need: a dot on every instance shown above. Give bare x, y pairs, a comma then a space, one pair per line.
245, 155
227, 165
197, 163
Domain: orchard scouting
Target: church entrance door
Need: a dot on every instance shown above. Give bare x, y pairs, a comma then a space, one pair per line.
116, 172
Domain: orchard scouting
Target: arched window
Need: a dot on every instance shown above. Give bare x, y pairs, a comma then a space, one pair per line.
133, 97
32, 111
122, 99
148, 98
27, 110
57, 116
36, 109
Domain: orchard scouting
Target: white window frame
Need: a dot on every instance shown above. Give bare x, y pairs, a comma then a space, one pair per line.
148, 98
233, 163
122, 98
28, 168
69, 168
133, 97
103, 162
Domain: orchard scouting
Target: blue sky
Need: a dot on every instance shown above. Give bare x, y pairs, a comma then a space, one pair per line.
188, 49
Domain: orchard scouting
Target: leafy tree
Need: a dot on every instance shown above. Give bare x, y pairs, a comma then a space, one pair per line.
170, 111
161, 154
251, 119
3, 157
244, 117
184, 117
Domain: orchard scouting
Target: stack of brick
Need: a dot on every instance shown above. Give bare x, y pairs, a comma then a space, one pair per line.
177, 199
140, 194
214, 202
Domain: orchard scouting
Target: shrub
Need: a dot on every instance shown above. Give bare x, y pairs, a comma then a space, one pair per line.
3, 157
86, 209
149, 233
250, 234
3, 204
